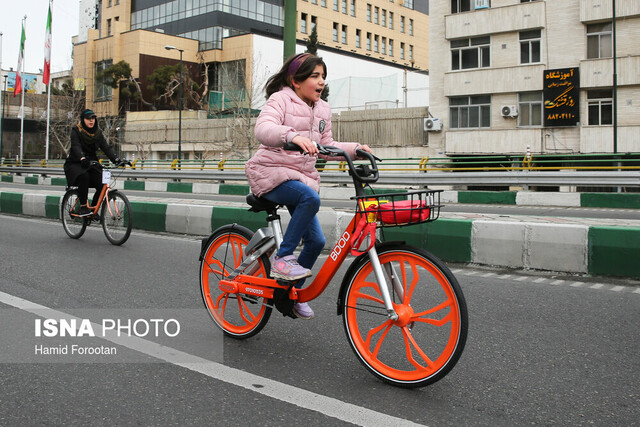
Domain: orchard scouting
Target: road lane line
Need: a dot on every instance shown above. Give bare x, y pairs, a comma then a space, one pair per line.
289, 394
596, 286
557, 282
617, 288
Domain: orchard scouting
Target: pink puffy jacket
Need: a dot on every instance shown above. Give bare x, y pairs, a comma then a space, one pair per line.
285, 112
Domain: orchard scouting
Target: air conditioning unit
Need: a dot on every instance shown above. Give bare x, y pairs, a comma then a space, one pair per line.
481, 4
509, 111
431, 124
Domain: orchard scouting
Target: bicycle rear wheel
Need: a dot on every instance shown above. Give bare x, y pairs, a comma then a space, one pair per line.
427, 339
239, 316
73, 225
116, 218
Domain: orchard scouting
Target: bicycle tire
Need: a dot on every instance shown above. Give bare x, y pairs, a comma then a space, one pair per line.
74, 226
115, 216
426, 341
239, 316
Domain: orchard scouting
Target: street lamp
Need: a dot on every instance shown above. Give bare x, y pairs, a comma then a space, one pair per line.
169, 47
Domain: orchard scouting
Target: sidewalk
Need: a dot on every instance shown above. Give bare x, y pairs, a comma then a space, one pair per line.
572, 245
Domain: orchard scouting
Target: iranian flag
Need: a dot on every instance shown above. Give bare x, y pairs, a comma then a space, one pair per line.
18, 86
47, 49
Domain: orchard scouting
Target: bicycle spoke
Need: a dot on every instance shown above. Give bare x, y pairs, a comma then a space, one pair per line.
409, 341
373, 286
387, 327
420, 317
242, 306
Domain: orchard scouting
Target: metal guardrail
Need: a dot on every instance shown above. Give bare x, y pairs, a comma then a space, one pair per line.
607, 178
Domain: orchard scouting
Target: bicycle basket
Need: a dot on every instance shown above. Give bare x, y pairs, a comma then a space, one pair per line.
395, 209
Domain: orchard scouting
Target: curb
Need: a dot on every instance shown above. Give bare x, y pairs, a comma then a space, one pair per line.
571, 248
519, 198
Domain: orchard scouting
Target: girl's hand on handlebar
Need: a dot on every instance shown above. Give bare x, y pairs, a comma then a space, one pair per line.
307, 145
366, 148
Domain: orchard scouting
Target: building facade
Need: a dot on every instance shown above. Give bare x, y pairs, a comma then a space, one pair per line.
393, 33
511, 74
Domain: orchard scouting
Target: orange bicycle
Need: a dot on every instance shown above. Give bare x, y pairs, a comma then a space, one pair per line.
113, 210
403, 310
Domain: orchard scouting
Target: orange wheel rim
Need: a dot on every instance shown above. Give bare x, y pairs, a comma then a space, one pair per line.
427, 332
236, 314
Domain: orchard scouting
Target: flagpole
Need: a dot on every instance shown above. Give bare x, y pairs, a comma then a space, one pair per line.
46, 146
24, 24
47, 70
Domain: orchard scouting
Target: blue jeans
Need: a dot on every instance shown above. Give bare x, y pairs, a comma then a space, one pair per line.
303, 204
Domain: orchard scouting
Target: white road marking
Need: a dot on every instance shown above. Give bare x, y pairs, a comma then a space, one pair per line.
540, 280
576, 284
293, 395
597, 286
617, 288
488, 274
557, 282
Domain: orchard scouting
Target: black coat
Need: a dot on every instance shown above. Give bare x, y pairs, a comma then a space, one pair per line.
81, 146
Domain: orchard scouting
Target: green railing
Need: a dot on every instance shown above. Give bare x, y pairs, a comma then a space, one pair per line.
626, 161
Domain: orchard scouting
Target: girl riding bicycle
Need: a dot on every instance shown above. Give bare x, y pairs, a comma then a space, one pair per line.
295, 113
86, 138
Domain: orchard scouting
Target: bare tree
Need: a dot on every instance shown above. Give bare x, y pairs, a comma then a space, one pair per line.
238, 96
65, 112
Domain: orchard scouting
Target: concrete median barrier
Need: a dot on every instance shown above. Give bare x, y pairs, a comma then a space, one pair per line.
563, 247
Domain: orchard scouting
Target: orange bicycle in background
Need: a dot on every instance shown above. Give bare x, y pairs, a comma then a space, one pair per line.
403, 310
113, 209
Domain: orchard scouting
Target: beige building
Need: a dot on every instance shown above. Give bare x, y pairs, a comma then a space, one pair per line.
220, 31
383, 30
507, 74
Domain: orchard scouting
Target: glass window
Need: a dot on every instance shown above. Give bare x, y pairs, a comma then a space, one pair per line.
391, 20
353, 7
600, 107
470, 111
599, 40
401, 50
368, 13
410, 52
530, 109
368, 41
390, 47
402, 24
410, 27
303, 23
470, 53
335, 31
358, 38
335, 4
344, 6
102, 89
458, 6
384, 45
323, 3
376, 15
530, 46
375, 43
344, 34
384, 18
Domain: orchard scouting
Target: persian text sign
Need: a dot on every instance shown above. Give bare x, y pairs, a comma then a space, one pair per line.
561, 97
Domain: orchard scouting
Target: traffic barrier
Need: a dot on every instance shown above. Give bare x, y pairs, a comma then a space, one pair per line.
570, 248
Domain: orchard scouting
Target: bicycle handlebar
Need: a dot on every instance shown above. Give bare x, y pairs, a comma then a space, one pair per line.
117, 165
360, 173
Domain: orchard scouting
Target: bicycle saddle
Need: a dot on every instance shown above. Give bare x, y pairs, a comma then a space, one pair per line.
259, 204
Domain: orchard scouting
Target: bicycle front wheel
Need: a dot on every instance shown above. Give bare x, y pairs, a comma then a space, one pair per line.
73, 225
116, 218
239, 316
427, 339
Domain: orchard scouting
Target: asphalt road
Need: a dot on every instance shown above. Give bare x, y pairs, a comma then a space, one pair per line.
542, 349
556, 211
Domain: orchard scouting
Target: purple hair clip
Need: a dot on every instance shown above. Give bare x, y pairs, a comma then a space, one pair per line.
296, 63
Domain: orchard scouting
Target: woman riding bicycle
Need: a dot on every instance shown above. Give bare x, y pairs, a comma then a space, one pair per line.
294, 113
86, 139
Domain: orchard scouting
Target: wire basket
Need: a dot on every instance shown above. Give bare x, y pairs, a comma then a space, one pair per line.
397, 209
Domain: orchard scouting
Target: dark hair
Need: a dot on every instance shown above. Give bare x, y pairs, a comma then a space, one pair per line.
290, 72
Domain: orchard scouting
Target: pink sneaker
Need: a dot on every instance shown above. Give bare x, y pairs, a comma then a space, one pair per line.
302, 310
287, 268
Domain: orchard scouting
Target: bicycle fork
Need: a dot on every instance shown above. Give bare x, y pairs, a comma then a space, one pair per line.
382, 282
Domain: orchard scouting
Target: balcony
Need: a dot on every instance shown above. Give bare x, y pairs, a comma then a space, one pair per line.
599, 72
517, 17
598, 10
494, 80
